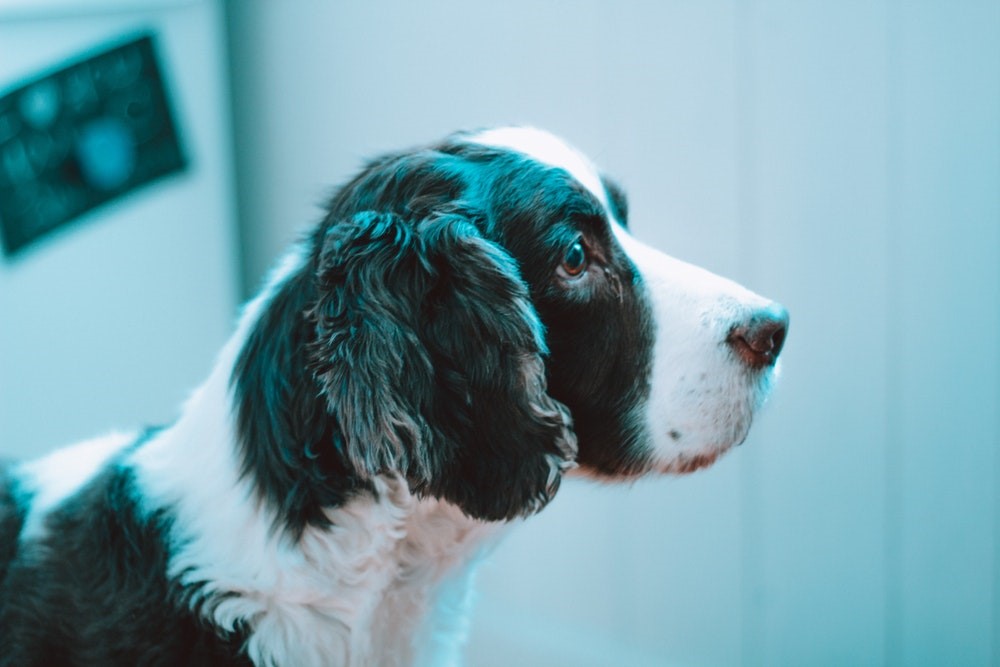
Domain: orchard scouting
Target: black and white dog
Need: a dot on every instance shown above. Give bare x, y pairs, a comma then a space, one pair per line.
469, 321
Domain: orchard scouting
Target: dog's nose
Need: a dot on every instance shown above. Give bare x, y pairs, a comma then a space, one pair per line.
759, 339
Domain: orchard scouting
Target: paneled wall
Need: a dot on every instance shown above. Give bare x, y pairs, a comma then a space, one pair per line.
841, 157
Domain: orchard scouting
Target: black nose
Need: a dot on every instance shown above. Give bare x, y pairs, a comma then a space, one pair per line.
758, 340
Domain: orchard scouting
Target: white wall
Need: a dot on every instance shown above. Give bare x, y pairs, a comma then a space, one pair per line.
112, 321
842, 157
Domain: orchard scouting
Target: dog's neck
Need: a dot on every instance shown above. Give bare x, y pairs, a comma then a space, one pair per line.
385, 583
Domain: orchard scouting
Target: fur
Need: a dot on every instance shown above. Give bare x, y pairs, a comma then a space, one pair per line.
469, 322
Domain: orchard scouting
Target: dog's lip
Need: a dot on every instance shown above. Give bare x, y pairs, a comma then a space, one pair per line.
685, 464
694, 463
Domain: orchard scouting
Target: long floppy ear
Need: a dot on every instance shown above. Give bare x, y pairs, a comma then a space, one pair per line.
367, 355
512, 439
429, 354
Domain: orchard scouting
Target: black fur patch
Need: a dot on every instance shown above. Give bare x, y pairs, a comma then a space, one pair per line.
616, 199
13, 508
600, 331
291, 448
93, 590
429, 354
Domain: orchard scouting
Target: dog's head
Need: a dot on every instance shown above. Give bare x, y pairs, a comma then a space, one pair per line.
474, 316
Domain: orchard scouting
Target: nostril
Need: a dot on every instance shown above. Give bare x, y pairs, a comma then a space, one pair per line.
779, 333
759, 340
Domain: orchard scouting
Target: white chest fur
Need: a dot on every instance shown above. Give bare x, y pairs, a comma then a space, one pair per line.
422, 618
386, 585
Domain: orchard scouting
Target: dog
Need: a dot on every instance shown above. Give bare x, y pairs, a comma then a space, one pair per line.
469, 322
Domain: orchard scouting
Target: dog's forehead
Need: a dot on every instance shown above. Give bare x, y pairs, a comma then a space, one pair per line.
547, 149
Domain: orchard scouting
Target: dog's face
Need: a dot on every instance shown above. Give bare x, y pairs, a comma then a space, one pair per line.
477, 317
661, 364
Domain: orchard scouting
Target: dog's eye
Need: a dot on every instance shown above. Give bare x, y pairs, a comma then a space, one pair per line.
574, 261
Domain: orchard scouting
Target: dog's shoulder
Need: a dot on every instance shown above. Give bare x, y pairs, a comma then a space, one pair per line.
82, 567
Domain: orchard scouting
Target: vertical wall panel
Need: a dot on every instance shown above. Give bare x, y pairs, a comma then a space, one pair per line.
816, 209
947, 338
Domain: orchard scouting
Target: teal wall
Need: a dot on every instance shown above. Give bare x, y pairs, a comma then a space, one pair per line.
111, 321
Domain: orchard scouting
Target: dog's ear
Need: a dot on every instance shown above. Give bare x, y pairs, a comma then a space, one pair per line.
511, 440
367, 355
429, 353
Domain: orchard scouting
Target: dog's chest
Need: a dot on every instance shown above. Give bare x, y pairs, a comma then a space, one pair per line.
388, 585
423, 616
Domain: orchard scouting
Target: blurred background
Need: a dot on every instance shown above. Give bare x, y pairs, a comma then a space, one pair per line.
840, 157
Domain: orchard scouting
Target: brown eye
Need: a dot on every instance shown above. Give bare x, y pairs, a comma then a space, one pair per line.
575, 260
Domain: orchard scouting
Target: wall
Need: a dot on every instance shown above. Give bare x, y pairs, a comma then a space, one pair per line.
843, 158
110, 322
